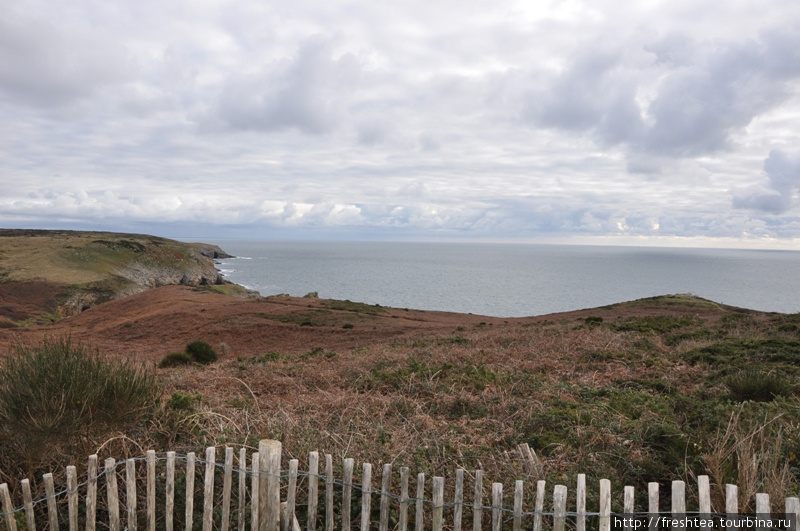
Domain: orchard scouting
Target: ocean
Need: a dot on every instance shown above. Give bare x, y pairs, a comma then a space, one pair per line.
511, 280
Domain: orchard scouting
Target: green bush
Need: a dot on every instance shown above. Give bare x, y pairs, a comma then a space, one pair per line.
201, 352
757, 386
174, 359
57, 392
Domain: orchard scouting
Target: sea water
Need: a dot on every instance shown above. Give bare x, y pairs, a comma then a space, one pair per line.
511, 280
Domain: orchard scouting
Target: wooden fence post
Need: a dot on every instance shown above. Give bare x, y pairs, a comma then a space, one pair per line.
52, 508
151, 490
366, 495
8, 509
27, 500
269, 498
169, 517
518, 493
605, 505
538, 505
403, 518
458, 500
347, 492
329, 482
419, 517
190, 464
580, 503
291, 496
497, 506
652, 504
255, 492
437, 514
227, 480
559, 507
112, 493
208, 490
242, 486
627, 504
130, 492
477, 504
386, 486
313, 490
72, 497
91, 493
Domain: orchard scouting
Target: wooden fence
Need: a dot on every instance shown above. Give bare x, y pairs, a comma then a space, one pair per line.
266, 498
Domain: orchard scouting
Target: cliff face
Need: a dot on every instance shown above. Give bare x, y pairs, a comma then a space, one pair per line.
94, 267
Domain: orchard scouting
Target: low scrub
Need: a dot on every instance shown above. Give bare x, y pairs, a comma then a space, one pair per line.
201, 352
57, 392
756, 385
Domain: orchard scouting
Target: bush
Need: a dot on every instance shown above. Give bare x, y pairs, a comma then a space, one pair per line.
53, 394
757, 386
174, 359
201, 352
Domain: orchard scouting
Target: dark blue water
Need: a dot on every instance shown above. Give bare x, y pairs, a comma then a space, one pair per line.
509, 280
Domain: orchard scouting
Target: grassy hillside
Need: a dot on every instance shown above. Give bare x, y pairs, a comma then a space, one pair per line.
653, 390
64, 272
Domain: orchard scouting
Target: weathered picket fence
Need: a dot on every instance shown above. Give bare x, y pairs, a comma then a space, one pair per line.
260, 506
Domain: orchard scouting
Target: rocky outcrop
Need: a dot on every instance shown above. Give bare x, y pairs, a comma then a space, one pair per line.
210, 251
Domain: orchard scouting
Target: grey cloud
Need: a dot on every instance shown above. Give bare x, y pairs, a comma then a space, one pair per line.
783, 171
46, 65
704, 93
309, 92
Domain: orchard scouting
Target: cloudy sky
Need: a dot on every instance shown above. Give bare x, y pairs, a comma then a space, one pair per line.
577, 120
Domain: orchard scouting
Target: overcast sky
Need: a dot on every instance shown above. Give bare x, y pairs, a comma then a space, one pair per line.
579, 120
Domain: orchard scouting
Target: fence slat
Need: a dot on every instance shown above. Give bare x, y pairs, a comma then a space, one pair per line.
652, 504
313, 490
792, 505
458, 500
72, 497
497, 506
386, 485
112, 494
731, 499
269, 485
27, 500
347, 492
366, 495
169, 517
189, 515
559, 507
403, 517
580, 503
704, 495
518, 488
329, 492
255, 491
242, 486
678, 497
437, 514
130, 492
208, 489
538, 505
477, 504
151, 490
52, 508
291, 496
91, 493
762, 504
627, 504
8, 509
419, 516
227, 480
605, 505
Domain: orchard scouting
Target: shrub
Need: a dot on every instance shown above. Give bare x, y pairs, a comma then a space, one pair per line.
757, 386
174, 359
201, 352
55, 393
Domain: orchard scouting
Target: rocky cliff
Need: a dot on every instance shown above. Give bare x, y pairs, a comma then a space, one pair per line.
94, 267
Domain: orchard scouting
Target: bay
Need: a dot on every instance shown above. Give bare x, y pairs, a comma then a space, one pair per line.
511, 280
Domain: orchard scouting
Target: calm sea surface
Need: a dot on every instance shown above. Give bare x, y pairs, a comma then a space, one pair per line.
509, 280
